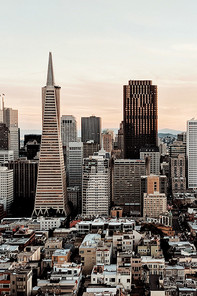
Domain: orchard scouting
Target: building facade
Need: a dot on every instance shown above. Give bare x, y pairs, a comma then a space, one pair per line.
91, 129
192, 152
6, 188
139, 117
96, 186
51, 183
127, 184
154, 155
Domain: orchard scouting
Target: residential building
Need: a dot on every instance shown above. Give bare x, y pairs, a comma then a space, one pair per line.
51, 183
21, 281
139, 117
91, 129
87, 251
154, 204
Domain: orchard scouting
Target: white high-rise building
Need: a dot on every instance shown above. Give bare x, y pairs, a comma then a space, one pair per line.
192, 152
96, 185
6, 188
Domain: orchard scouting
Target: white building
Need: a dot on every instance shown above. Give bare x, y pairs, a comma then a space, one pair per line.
6, 155
111, 275
96, 185
192, 152
49, 223
6, 188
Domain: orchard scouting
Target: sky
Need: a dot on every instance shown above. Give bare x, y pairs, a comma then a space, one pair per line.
97, 46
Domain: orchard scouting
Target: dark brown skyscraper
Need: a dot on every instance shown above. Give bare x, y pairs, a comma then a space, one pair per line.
140, 117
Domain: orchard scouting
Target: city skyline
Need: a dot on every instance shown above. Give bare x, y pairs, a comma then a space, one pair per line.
97, 52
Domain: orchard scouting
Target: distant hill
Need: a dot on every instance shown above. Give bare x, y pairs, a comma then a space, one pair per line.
162, 135
169, 131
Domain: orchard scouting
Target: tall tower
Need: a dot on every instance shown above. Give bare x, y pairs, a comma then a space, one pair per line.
51, 183
192, 152
140, 117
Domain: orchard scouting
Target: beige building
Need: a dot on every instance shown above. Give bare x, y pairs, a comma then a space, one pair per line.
177, 173
21, 281
51, 245
30, 253
154, 204
87, 251
107, 140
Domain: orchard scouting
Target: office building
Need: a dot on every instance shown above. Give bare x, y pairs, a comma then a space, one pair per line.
4, 136
178, 147
177, 173
139, 117
75, 163
107, 140
154, 183
6, 155
127, 184
192, 152
121, 140
68, 134
9, 117
6, 188
25, 179
154, 154
73, 194
32, 144
96, 185
89, 148
68, 129
51, 184
91, 129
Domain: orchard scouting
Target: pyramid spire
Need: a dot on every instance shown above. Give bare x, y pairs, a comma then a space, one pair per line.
50, 75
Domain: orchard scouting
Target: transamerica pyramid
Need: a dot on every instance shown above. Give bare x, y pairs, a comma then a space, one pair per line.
51, 196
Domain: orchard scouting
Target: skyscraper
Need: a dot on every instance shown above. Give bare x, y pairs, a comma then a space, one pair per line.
68, 129
140, 117
91, 129
96, 185
192, 152
9, 117
127, 184
51, 183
